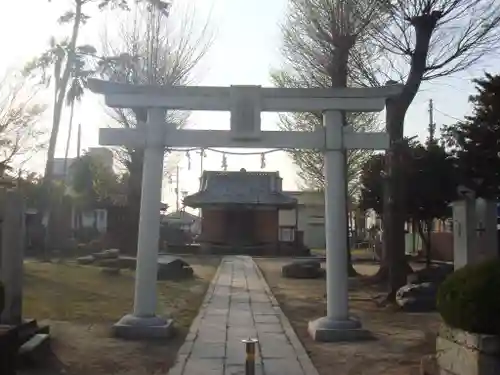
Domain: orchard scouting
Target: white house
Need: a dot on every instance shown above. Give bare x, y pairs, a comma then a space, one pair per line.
97, 218
310, 217
184, 220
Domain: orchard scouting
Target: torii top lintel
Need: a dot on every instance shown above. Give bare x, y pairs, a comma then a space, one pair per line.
270, 99
246, 104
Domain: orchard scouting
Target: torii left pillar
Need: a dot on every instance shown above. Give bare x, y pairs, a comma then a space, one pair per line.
143, 322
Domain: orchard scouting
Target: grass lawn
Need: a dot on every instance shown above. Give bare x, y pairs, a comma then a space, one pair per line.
401, 338
81, 303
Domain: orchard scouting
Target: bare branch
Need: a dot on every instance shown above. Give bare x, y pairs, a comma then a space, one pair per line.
462, 33
323, 47
148, 49
20, 132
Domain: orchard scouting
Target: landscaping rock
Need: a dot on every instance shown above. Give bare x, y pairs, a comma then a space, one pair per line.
94, 246
108, 254
434, 274
89, 259
312, 262
417, 297
172, 268
310, 269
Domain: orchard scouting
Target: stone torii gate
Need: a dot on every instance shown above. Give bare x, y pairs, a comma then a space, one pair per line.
245, 104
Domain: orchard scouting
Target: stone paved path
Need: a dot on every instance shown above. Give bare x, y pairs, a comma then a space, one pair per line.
239, 305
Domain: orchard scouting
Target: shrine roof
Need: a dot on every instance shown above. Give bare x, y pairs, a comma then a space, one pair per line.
240, 188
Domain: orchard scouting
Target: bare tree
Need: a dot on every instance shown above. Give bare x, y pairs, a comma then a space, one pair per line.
148, 50
320, 49
408, 41
61, 57
322, 43
57, 65
20, 132
422, 40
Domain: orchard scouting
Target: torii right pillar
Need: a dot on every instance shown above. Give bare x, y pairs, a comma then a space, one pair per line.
337, 325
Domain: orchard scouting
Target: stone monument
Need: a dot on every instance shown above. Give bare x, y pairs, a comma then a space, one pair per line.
474, 229
12, 254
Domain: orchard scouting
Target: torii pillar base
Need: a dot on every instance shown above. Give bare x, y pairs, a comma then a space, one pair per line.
331, 330
143, 328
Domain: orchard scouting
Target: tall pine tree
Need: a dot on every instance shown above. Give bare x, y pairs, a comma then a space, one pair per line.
476, 140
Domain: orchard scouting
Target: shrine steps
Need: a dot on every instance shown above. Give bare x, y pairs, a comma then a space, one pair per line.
35, 349
34, 341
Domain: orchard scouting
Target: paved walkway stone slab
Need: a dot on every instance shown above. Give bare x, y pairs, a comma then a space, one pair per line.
237, 306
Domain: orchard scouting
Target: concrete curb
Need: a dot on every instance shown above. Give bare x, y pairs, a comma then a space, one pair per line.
186, 348
302, 357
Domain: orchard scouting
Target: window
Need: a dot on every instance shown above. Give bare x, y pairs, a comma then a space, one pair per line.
101, 215
448, 225
287, 234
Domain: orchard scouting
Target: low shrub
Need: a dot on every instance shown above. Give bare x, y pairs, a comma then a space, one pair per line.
469, 299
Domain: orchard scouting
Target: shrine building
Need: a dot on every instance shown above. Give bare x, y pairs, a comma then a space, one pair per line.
240, 214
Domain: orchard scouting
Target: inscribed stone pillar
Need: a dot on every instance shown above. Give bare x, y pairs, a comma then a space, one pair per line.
486, 227
13, 237
464, 232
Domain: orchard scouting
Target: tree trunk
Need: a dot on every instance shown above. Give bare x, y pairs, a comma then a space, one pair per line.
68, 140
61, 92
351, 271
396, 109
133, 201
428, 254
134, 191
413, 235
60, 95
394, 211
394, 264
394, 267
425, 234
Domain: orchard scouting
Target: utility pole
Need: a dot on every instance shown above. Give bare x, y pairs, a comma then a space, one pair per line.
177, 188
201, 161
202, 156
432, 125
79, 141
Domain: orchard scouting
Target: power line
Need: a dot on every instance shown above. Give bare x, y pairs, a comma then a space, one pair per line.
447, 115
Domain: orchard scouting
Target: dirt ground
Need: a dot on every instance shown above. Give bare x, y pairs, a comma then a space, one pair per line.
80, 304
400, 339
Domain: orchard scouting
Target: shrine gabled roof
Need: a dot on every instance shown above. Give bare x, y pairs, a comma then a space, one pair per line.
240, 188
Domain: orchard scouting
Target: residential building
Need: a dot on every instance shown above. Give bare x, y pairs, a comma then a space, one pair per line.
309, 217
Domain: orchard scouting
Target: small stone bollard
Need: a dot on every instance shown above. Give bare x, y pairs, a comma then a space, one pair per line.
250, 355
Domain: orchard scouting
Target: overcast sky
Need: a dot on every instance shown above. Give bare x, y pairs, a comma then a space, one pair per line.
246, 46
